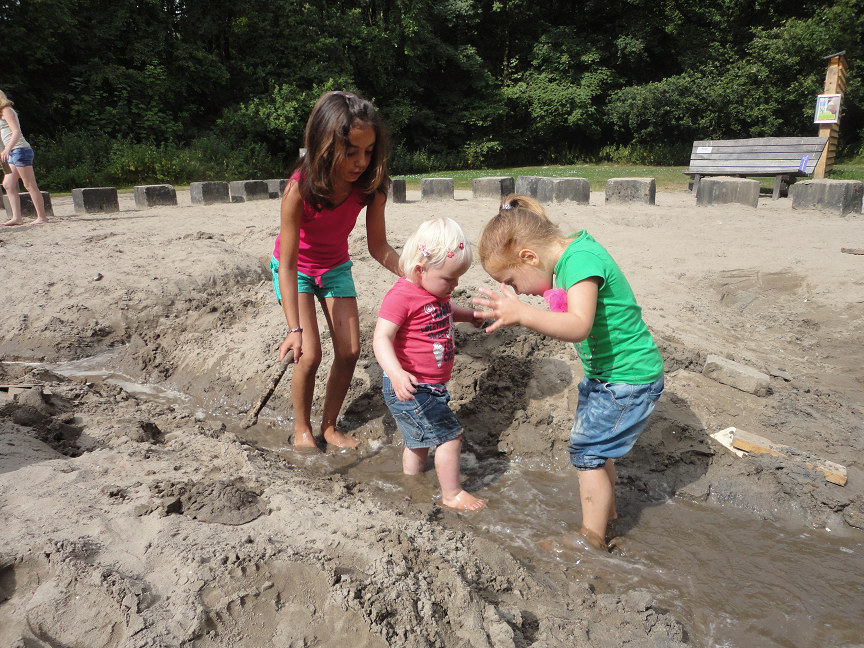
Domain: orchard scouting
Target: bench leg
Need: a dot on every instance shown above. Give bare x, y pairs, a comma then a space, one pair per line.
696, 178
778, 181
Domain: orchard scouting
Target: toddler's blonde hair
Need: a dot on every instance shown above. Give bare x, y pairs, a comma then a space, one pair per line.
520, 223
433, 242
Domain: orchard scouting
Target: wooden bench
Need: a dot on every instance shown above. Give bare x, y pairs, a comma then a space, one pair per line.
782, 157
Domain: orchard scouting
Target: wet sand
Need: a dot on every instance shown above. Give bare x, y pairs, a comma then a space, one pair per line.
135, 516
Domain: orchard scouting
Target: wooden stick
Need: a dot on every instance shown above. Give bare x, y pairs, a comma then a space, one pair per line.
852, 250
252, 415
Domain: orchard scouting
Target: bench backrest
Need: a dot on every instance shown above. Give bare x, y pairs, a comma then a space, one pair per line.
757, 156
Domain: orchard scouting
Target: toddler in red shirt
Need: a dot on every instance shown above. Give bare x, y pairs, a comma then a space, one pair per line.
413, 343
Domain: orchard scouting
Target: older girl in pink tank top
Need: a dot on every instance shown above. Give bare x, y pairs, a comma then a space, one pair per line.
343, 171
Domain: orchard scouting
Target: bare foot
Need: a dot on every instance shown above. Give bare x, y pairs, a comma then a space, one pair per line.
304, 440
560, 543
463, 501
338, 439
11, 222
38, 222
570, 542
593, 539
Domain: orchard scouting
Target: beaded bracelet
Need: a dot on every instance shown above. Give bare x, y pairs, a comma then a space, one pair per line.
299, 329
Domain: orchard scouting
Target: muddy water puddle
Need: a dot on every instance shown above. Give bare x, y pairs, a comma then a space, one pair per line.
733, 580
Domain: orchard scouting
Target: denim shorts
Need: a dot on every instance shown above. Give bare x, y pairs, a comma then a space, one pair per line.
609, 419
336, 282
21, 156
426, 421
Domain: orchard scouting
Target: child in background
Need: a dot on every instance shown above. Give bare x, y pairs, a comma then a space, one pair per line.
17, 160
343, 171
413, 343
522, 250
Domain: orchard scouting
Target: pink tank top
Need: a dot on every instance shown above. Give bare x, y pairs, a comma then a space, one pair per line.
324, 234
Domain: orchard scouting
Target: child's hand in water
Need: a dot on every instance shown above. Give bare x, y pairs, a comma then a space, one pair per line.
403, 385
505, 309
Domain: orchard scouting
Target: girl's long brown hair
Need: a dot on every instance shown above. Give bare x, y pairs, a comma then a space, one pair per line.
326, 140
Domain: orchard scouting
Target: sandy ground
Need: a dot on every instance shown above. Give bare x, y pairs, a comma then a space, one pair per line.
134, 521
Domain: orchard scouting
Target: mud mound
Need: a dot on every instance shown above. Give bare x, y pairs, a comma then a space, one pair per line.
219, 502
44, 415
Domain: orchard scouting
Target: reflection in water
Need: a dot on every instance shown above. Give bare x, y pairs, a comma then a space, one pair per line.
733, 580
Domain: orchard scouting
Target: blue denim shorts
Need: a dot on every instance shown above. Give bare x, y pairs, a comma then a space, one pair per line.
336, 282
609, 419
426, 421
21, 156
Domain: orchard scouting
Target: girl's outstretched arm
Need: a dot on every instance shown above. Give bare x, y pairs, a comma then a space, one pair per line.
290, 216
376, 235
573, 326
382, 344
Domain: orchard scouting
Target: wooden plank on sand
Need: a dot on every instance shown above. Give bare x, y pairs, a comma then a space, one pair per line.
852, 250
755, 444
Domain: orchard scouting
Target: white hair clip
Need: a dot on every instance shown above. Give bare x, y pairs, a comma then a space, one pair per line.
423, 251
506, 206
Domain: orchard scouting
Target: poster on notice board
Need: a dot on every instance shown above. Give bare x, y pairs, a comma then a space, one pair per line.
827, 109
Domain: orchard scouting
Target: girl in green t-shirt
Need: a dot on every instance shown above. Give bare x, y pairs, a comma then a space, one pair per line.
591, 305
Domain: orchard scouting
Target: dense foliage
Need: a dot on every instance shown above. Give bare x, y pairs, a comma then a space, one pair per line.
128, 91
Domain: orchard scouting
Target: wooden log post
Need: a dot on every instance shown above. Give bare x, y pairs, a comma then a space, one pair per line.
835, 83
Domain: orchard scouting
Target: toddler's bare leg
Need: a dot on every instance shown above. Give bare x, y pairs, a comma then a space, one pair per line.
610, 472
447, 468
414, 460
595, 492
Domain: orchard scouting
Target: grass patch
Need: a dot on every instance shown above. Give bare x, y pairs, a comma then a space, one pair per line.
849, 171
668, 178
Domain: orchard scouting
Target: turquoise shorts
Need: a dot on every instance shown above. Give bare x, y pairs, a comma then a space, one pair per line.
336, 282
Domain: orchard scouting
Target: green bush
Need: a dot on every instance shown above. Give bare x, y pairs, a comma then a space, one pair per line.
78, 159
404, 162
673, 154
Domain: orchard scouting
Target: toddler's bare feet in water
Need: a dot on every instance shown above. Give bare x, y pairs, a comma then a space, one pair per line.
463, 501
572, 541
338, 439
